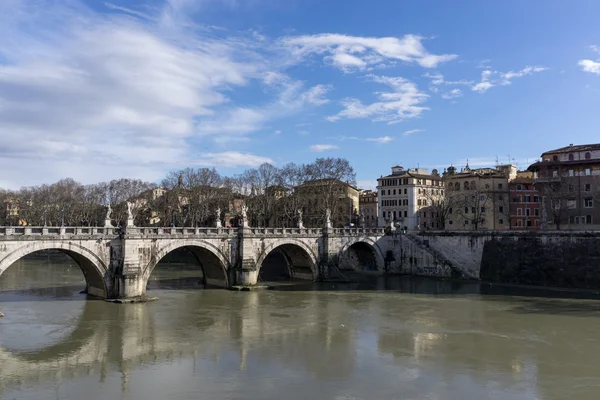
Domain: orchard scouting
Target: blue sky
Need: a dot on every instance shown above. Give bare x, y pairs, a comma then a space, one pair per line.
99, 90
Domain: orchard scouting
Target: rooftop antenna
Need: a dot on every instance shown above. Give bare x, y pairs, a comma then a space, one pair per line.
497, 161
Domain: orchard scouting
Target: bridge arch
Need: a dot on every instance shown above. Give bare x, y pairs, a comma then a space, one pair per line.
363, 252
213, 262
300, 258
93, 267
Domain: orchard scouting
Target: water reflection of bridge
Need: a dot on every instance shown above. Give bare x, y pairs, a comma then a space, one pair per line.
321, 333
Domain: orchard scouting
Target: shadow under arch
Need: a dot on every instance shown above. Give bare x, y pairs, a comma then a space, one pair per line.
212, 261
83, 333
362, 255
93, 268
294, 258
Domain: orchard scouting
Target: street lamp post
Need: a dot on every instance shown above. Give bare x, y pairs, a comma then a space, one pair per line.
62, 217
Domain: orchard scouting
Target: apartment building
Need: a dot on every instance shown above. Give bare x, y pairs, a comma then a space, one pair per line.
478, 198
403, 193
525, 203
568, 179
369, 208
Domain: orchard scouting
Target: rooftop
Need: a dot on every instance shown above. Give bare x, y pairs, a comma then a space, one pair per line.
570, 148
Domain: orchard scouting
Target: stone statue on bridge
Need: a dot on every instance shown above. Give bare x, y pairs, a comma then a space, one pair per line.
244, 215
107, 221
361, 220
299, 214
218, 218
129, 214
328, 218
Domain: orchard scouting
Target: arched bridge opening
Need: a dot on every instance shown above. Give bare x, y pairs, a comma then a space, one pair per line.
285, 262
48, 267
361, 256
187, 266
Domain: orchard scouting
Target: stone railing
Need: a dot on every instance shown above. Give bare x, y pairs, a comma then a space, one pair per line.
179, 231
286, 231
358, 231
56, 231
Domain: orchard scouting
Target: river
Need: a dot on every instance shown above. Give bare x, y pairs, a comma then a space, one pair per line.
395, 338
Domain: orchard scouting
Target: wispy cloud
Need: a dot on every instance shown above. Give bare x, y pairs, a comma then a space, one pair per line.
230, 159
319, 148
490, 78
412, 132
404, 102
355, 53
382, 139
454, 93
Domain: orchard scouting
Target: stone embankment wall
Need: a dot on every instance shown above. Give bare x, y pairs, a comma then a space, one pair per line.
571, 261
562, 259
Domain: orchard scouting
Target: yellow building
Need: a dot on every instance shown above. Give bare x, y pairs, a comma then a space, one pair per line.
478, 199
341, 198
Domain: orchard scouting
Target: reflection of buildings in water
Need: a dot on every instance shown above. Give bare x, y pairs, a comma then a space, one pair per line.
305, 328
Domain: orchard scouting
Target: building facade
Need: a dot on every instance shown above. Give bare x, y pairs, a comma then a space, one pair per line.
369, 208
341, 198
525, 203
478, 199
568, 180
404, 193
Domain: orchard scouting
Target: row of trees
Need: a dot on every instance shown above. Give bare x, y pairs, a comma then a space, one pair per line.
187, 197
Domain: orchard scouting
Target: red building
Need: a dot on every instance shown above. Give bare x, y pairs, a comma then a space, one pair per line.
525, 203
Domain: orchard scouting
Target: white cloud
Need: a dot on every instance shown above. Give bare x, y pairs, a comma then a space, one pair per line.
383, 139
277, 132
413, 131
100, 96
404, 102
436, 78
230, 159
490, 78
595, 48
590, 66
350, 53
454, 93
319, 148
303, 132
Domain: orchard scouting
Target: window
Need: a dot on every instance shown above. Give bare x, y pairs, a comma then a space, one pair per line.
419, 190
466, 185
394, 192
588, 203
450, 210
519, 211
517, 199
527, 212
424, 202
405, 214
456, 186
554, 158
519, 223
536, 199
466, 210
482, 209
499, 186
487, 185
466, 222
519, 187
528, 199
501, 221
419, 202
394, 215
588, 155
536, 212
405, 191
500, 209
588, 171
588, 219
473, 210
473, 185
450, 222
418, 181
528, 222
571, 173
571, 157
501, 198
588, 187
482, 198
382, 192
389, 191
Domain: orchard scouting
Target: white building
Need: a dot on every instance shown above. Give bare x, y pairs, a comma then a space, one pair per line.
403, 193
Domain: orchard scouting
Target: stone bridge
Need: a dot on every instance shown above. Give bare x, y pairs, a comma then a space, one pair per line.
117, 262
